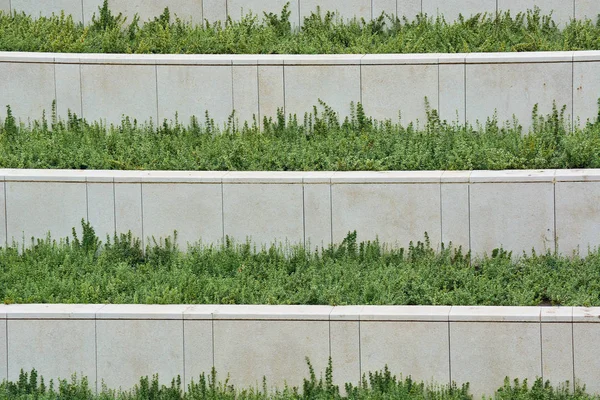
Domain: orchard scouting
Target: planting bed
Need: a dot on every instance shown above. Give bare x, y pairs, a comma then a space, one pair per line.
119, 271
319, 34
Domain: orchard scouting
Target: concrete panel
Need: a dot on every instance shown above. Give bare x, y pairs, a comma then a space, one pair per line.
5, 8
193, 210
214, 10
515, 216
455, 215
345, 344
396, 213
192, 90
586, 91
37, 8
29, 92
586, 330
68, 89
557, 344
131, 348
101, 208
336, 85
450, 9
577, 216
270, 90
587, 9
245, 93
412, 345
388, 7
389, 89
263, 212
498, 87
128, 209
317, 212
186, 10
107, 92
484, 363
348, 9
277, 350
3, 349
238, 8
91, 8
562, 10
55, 348
451, 105
35, 208
3, 241
198, 342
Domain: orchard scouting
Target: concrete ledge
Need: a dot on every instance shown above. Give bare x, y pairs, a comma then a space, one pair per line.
470, 86
249, 342
529, 209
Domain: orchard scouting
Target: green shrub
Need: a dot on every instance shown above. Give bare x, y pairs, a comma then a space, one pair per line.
379, 385
321, 33
83, 270
320, 142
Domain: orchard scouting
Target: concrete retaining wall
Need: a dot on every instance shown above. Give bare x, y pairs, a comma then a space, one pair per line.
118, 344
479, 210
461, 86
218, 10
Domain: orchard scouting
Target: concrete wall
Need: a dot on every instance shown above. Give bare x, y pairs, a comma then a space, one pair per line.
120, 343
462, 87
479, 210
218, 10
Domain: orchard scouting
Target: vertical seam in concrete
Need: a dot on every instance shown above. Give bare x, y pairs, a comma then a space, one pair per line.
82, 20
331, 211
87, 202
114, 206
226, 10
541, 351
438, 87
469, 206
202, 13
223, 210
359, 352
555, 236
497, 7
360, 85
55, 91
5, 215
372, 11
156, 89
183, 350
329, 332
6, 344
465, 90
573, 92
299, 16
96, 348
212, 336
574, 8
449, 354
10, 11
232, 91
142, 216
573, 348
441, 217
80, 90
258, 95
284, 94
304, 213
421, 5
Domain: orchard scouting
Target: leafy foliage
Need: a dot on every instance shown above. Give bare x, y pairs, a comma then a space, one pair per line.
84, 270
379, 385
321, 141
320, 33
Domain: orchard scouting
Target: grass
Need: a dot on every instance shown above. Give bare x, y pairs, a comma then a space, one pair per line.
81, 270
380, 385
320, 33
321, 142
